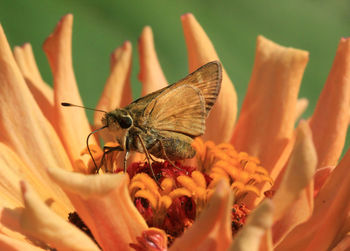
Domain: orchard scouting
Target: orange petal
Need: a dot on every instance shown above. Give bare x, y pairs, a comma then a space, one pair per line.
330, 120
299, 172
42, 92
321, 176
117, 90
72, 123
151, 74
331, 210
259, 221
344, 244
302, 104
23, 127
104, 204
269, 108
12, 170
9, 244
212, 231
221, 120
40, 222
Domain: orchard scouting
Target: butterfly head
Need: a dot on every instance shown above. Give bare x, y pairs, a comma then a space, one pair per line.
118, 119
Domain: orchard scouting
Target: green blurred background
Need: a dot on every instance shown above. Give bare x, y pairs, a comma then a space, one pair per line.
101, 26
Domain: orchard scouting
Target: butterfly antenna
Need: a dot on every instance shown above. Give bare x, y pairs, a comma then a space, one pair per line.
88, 147
87, 108
91, 133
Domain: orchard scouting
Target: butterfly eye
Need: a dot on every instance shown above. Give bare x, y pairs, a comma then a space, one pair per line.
125, 122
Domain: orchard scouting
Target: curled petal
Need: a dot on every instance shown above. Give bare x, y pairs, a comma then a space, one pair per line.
212, 230
151, 74
25, 130
104, 204
330, 120
221, 120
72, 124
259, 221
117, 91
41, 91
269, 108
39, 221
331, 210
299, 172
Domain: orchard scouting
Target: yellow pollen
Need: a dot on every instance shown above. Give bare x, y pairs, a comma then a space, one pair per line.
222, 161
196, 188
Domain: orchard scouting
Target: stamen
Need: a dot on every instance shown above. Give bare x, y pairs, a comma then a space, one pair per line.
243, 171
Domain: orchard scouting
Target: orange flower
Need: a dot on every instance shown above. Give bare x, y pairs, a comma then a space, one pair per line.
41, 142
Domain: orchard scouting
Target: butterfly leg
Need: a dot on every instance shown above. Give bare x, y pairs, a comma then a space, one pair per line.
125, 160
149, 160
106, 150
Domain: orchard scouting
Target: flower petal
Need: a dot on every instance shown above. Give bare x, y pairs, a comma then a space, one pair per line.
117, 90
302, 104
9, 244
212, 230
42, 92
12, 170
299, 172
259, 221
24, 128
40, 222
269, 108
222, 117
331, 209
330, 120
344, 244
72, 123
151, 74
104, 204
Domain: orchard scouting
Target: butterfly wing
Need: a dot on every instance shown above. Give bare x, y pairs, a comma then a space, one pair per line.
208, 80
179, 109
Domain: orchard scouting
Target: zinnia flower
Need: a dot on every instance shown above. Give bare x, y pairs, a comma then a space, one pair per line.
256, 183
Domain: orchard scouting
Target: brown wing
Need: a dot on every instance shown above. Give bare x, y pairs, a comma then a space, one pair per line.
208, 80
180, 109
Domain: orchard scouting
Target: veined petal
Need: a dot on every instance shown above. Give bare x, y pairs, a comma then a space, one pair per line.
259, 221
41, 91
39, 221
221, 120
331, 209
212, 230
269, 108
24, 129
103, 203
9, 244
117, 90
151, 74
72, 124
330, 120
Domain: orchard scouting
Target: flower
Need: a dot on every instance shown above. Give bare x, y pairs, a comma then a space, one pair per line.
41, 142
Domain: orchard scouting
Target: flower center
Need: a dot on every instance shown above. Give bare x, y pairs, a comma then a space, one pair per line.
179, 195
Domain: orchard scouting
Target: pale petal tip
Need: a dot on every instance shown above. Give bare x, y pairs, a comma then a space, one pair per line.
187, 15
